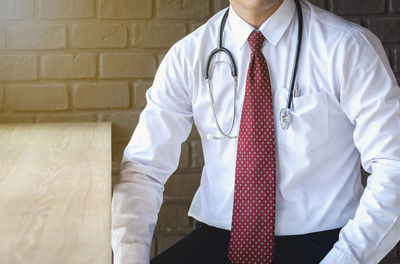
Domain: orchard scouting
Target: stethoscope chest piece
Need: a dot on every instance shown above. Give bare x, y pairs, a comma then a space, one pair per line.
284, 118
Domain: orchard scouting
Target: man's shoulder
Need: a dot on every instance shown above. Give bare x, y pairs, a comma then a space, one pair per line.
328, 21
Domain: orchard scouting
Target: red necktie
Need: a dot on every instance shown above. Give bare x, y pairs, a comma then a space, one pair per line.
253, 220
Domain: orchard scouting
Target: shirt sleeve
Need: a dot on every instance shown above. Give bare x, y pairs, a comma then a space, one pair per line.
370, 97
151, 156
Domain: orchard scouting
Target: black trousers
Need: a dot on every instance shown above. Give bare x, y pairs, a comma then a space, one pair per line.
209, 245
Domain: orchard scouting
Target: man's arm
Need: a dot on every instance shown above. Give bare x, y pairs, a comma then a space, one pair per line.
151, 156
370, 98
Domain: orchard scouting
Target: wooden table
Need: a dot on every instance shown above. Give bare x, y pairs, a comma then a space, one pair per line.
55, 193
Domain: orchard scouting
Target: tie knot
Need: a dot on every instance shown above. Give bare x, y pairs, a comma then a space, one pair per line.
256, 40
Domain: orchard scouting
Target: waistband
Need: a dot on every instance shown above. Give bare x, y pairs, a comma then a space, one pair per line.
314, 234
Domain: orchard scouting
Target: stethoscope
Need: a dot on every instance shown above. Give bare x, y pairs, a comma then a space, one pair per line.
284, 114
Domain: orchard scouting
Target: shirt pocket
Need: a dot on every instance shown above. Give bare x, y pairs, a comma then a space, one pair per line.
309, 127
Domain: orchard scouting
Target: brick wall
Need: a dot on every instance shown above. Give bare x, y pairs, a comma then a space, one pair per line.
92, 60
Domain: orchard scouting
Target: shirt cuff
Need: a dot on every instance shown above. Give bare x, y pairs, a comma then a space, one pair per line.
131, 254
336, 256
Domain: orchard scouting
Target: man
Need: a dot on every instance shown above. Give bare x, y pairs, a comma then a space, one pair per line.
345, 112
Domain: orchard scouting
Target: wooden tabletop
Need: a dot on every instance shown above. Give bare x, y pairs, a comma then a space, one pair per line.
55, 193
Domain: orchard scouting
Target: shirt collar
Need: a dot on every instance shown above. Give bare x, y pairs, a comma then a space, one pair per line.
272, 29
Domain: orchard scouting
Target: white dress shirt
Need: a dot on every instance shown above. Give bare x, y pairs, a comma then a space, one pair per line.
345, 114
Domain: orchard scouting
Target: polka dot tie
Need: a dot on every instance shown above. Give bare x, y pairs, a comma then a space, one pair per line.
253, 220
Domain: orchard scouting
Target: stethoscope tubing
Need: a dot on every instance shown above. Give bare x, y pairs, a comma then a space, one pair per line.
233, 68
284, 115
298, 49
220, 48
